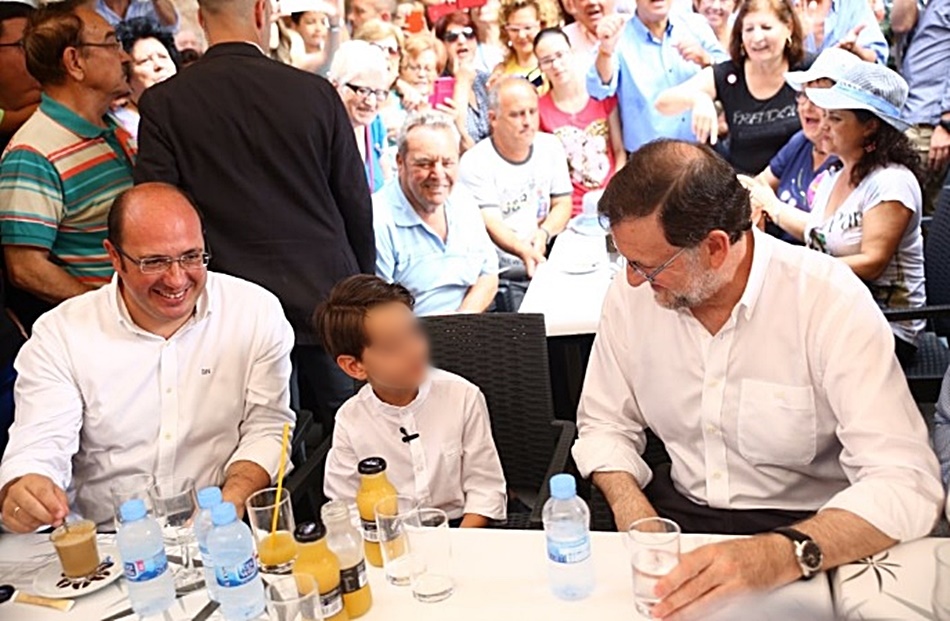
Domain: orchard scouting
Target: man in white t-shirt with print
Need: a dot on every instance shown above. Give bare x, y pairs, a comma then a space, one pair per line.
519, 178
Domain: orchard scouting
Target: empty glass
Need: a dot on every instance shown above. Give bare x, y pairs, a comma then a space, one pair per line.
430, 549
654, 546
175, 507
293, 598
941, 597
129, 487
392, 514
276, 551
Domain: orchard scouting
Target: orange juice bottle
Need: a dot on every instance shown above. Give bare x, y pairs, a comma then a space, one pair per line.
374, 486
315, 559
345, 541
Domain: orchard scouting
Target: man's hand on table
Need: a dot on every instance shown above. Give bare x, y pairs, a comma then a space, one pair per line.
713, 572
33, 501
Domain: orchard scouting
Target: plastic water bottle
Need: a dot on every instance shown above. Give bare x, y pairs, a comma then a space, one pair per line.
149, 578
567, 530
240, 589
208, 499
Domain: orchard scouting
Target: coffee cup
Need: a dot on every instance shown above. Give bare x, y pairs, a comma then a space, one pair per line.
75, 544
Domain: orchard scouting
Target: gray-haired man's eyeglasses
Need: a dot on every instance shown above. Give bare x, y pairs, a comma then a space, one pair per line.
652, 275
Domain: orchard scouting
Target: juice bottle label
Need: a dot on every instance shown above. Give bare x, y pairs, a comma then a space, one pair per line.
236, 575
146, 569
370, 532
331, 602
569, 551
353, 578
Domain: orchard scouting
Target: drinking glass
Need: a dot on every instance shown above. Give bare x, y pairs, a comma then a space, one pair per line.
431, 552
654, 546
75, 544
941, 596
175, 506
129, 487
277, 551
293, 598
392, 514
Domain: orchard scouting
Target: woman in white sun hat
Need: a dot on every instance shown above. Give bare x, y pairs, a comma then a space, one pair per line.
867, 212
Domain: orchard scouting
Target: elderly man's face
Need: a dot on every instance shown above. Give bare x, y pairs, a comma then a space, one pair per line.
517, 114
590, 12
428, 169
17, 87
651, 11
680, 280
160, 302
102, 58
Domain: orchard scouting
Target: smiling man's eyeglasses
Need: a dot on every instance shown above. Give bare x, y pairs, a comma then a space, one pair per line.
651, 277
156, 265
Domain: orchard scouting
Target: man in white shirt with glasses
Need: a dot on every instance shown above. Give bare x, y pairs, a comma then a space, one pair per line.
768, 372
168, 370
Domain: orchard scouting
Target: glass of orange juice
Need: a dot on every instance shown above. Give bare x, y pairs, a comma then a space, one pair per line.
276, 550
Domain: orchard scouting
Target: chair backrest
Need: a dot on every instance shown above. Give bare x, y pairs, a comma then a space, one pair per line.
506, 355
937, 257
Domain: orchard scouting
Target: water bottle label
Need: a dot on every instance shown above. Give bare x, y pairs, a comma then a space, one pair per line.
569, 552
236, 575
146, 569
353, 578
331, 602
370, 532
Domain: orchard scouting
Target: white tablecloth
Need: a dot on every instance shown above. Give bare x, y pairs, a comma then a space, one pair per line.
571, 302
501, 575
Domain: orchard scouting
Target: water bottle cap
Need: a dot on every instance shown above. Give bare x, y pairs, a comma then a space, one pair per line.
309, 532
224, 513
132, 510
563, 486
208, 497
372, 465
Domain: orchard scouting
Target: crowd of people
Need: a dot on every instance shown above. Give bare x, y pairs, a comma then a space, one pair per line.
245, 218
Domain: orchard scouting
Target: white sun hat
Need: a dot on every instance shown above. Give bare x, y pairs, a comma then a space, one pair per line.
866, 86
830, 65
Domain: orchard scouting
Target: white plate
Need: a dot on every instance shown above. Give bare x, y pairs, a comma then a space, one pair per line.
50, 582
580, 267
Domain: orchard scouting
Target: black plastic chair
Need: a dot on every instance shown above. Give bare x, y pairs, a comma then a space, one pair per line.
506, 355
925, 375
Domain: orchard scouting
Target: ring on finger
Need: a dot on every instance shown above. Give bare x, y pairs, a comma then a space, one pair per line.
15, 511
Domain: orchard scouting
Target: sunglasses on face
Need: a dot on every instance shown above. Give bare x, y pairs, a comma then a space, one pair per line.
466, 34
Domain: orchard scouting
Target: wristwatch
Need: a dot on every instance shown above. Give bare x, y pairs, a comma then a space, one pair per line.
807, 552
945, 124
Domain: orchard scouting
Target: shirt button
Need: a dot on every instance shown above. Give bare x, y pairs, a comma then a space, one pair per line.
716, 476
168, 437
168, 391
714, 383
419, 469
711, 429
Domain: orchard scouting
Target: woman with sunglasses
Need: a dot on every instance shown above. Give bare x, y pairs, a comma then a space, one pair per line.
359, 74
469, 101
588, 128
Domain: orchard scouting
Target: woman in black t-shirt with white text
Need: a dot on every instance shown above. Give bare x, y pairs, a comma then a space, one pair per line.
759, 106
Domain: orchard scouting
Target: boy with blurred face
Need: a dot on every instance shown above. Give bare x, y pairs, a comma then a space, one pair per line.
430, 426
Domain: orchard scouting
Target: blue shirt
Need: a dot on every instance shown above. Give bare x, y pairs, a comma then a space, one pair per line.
375, 145
644, 67
926, 63
793, 166
137, 8
844, 16
439, 274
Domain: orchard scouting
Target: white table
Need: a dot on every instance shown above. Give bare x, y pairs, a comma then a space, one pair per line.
570, 302
500, 575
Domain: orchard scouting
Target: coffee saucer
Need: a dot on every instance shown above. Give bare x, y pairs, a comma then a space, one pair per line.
51, 582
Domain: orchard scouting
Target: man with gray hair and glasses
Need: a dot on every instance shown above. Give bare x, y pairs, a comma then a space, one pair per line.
430, 237
169, 370
769, 373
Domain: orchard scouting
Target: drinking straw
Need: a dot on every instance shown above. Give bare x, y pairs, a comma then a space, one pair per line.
280, 479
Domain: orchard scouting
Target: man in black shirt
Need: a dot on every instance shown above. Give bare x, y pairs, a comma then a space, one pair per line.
269, 155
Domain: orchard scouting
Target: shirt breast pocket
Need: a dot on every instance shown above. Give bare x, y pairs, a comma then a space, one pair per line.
450, 464
777, 423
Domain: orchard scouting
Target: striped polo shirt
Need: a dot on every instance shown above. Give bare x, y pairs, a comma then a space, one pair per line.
58, 177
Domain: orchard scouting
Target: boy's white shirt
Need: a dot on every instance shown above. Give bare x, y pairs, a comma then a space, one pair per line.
452, 464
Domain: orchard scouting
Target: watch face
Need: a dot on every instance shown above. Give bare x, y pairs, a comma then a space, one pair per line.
811, 555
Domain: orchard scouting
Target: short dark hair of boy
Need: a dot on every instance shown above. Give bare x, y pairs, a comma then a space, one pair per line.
340, 321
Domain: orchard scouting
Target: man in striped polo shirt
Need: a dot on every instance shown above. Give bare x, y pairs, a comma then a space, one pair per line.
66, 164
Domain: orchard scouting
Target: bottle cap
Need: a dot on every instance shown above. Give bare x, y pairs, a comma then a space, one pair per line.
224, 513
309, 532
132, 510
563, 486
208, 497
372, 465
334, 511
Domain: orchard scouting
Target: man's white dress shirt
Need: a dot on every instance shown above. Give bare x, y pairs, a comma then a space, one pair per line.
452, 464
98, 398
797, 403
